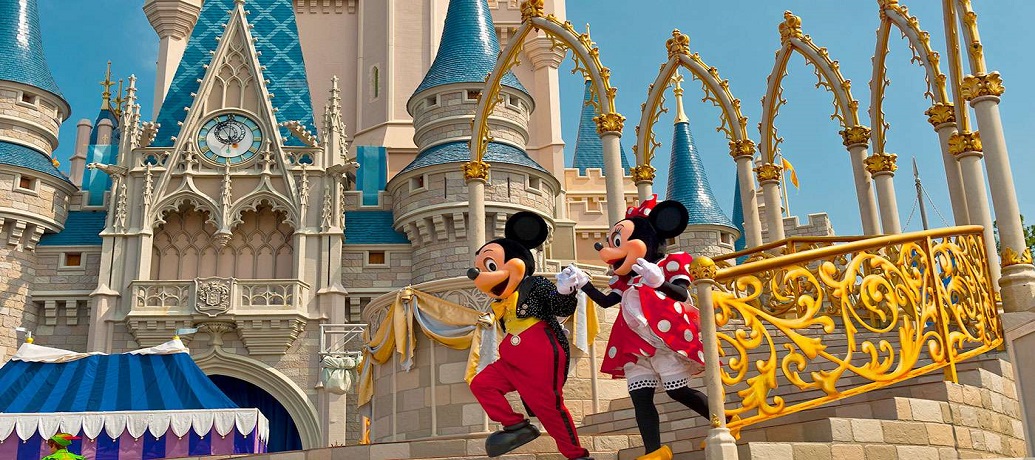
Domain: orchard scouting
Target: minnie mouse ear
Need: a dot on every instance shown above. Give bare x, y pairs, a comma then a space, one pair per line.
527, 228
669, 218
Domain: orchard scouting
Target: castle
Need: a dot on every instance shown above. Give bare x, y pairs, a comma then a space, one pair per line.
301, 164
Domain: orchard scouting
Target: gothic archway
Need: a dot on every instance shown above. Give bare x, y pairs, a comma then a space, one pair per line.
283, 432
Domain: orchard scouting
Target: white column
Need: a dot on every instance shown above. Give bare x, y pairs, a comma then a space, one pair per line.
476, 213
977, 201
613, 171
953, 175
645, 188
882, 168
742, 152
769, 178
173, 20
719, 444
856, 139
1018, 281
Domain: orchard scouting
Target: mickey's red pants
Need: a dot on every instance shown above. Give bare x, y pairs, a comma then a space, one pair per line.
535, 368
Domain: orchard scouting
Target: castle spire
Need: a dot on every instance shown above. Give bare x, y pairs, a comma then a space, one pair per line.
22, 47
589, 152
678, 91
107, 84
469, 48
687, 181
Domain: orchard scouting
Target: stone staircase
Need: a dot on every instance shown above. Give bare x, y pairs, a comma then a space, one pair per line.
923, 418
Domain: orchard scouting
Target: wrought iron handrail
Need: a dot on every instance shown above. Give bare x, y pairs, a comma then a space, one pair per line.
931, 292
790, 245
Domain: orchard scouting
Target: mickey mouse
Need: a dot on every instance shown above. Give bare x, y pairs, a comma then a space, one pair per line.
534, 356
655, 340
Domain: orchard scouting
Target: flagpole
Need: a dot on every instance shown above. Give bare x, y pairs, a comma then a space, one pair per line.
920, 194
783, 185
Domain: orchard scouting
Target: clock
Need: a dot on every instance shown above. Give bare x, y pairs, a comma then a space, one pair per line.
230, 139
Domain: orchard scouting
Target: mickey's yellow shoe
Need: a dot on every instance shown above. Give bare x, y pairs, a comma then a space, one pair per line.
664, 453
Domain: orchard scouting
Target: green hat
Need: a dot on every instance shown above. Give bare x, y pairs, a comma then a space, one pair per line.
63, 439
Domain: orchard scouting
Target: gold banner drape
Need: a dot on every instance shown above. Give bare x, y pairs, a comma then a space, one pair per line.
461, 329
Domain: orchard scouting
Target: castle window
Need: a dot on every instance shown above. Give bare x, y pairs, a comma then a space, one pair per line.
431, 101
535, 185
72, 260
376, 258
26, 184
28, 98
472, 95
417, 184
375, 83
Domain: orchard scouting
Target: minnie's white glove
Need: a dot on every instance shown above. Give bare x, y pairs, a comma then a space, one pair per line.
650, 273
571, 279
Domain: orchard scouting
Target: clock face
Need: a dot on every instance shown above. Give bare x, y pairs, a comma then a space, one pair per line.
230, 139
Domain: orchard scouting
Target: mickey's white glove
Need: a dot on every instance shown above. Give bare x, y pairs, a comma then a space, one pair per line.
651, 273
571, 279
487, 319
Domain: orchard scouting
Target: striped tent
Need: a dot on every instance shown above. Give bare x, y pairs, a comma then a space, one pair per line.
147, 404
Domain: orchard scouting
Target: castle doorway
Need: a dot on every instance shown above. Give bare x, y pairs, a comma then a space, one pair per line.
283, 432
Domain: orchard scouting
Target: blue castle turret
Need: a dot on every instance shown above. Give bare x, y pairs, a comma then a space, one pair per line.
429, 194
28, 92
710, 232
589, 152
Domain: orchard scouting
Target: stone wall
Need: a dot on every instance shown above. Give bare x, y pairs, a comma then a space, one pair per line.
38, 112
63, 324
449, 117
43, 198
703, 241
439, 237
17, 272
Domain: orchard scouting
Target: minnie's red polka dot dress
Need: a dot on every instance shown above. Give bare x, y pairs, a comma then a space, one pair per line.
649, 321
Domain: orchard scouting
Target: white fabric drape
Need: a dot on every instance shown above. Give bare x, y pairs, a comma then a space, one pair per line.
136, 423
336, 375
39, 354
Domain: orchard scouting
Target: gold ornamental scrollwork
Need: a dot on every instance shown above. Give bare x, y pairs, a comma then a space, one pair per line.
1011, 257
531, 9
703, 268
881, 163
678, 45
611, 122
855, 135
643, 174
975, 86
965, 143
941, 113
837, 321
742, 148
476, 170
790, 27
768, 172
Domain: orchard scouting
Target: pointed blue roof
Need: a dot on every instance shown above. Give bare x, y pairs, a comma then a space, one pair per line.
276, 37
469, 48
589, 152
24, 157
738, 216
22, 47
688, 183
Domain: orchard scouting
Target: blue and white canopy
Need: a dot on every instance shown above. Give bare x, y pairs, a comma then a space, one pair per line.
152, 390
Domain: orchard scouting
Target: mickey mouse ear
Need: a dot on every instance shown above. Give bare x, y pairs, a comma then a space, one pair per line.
527, 228
669, 218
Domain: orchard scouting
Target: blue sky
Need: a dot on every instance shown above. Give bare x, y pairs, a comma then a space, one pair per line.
738, 37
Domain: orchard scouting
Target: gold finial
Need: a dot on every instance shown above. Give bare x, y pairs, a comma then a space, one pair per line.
703, 268
107, 84
119, 100
679, 44
678, 90
643, 174
790, 27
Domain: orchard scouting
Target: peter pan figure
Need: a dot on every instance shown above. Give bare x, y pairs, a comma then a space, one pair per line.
59, 448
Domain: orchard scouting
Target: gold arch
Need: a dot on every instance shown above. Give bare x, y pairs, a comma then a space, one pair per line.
941, 111
563, 36
828, 73
734, 123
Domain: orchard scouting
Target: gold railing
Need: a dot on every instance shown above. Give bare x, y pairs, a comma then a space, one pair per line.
930, 291
785, 246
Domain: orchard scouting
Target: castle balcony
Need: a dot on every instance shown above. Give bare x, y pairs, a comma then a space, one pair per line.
268, 314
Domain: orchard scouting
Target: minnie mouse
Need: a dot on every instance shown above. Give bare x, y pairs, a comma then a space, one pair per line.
655, 340
534, 356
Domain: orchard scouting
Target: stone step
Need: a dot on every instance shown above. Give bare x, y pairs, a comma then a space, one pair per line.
603, 447
931, 386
